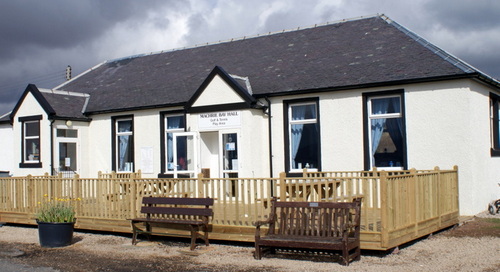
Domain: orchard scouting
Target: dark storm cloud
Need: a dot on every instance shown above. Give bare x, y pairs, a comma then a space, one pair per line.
465, 15
60, 23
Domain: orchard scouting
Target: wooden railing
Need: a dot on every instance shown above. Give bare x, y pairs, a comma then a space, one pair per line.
397, 207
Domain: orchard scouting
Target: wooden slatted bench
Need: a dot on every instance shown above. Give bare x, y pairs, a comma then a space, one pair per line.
312, 225
164, 211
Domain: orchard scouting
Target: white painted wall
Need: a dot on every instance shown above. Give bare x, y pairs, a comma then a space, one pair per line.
447, 124
216, 93
7, 143
30, 107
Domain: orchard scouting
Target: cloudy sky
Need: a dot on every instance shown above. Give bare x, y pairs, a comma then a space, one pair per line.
39, 39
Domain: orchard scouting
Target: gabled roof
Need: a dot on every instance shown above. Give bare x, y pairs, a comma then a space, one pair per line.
365, 52
237, 84
31, 88
56, 104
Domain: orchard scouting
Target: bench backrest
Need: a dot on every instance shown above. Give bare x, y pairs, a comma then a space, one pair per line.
177, 207
319, 219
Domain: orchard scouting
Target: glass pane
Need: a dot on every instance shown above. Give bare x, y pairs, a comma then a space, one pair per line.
230, 145
170, 152
304, 112
175, 122
304, 146
387, 142
67, 133
125, 126
32, 128
32, 150
385, 105
125, 155
67, 157
185, 153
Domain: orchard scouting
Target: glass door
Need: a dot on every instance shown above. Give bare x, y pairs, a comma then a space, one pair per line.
185, 155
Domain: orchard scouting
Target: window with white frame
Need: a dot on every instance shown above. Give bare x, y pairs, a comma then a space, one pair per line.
495, 124
303, 136
173, 123
386, 131
31, 140
124, 144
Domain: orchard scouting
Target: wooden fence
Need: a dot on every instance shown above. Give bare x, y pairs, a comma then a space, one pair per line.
397, 206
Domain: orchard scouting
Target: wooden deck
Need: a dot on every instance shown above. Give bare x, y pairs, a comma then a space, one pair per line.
398, 207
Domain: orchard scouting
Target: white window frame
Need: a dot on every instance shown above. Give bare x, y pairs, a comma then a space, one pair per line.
173, 132
298, 122
117, 142
26, 138
372, 116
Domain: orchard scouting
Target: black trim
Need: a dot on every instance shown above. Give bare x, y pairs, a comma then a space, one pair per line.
220, 107
249, 99
163, 148
31, 88
113, 140
366, 129
30, 165
495, 149
30, 118
22, 120
286, 123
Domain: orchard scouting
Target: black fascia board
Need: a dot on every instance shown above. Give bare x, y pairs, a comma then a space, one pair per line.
371, 85
249, 99
181, 104
31, 88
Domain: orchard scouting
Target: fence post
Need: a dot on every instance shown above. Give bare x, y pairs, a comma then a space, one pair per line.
200, 185
384, 209
282, 186
416, 199
30, 198
75, 197
440, 199
133, 195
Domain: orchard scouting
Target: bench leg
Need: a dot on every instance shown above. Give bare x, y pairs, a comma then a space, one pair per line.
258, 252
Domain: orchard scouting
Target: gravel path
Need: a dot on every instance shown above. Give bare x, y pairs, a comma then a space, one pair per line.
439, 252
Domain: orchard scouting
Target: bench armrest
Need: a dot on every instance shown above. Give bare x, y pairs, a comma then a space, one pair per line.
258, 224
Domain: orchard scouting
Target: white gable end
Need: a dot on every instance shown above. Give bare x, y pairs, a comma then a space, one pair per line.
217, 92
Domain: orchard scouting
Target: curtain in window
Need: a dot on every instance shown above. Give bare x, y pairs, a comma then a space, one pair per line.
298, 113
173, 122
377, 125
123, 152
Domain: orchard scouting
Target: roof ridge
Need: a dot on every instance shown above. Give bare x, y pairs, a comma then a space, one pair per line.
270, 33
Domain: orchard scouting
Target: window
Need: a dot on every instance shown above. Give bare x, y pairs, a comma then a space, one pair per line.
174, 123
303, 141
123, 131
386, 133
495, 124
30, 142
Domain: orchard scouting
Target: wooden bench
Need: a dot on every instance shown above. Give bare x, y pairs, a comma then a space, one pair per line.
164, 211
312, 225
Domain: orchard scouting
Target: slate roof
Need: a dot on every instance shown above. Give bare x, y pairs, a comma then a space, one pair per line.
66, 105
365, 52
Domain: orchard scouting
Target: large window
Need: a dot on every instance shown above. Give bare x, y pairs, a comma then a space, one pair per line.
303, 136
386, 133
174, 123
123, 144
30, 142
495, 124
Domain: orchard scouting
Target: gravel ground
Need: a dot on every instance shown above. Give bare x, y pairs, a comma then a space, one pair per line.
456, 249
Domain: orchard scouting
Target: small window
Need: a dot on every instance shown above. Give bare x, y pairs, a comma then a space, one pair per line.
32, 141
173, 123
386, 132
124, 144
303, 136
31, 147
495, 124
67, 133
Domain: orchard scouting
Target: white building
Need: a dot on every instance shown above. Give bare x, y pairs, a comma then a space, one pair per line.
351, 95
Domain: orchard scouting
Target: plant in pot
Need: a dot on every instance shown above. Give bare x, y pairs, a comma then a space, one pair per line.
56, 220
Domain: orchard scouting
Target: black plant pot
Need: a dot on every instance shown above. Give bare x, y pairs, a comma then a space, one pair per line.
55, 234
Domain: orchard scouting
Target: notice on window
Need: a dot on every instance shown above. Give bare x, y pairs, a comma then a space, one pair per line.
147, 160
217, 120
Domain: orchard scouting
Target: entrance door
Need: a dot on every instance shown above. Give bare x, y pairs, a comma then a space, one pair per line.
67, 150
185, 155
